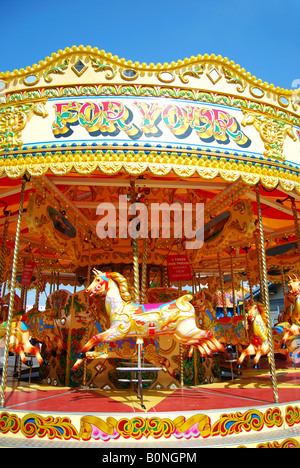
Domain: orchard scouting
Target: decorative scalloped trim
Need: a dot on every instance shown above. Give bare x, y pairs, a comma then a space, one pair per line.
158, 68
137, 163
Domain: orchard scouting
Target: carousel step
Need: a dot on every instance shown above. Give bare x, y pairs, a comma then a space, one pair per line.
127, 364
134, 380
138, 369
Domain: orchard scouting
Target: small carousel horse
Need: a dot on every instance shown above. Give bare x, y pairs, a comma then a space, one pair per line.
291, 312
19, 342
127, 320
36, 325
4, 306
259, 346
230, 331
292, 309
44, 327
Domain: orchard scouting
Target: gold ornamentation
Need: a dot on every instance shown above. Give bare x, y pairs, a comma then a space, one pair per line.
292, 415
235, 423
286, 443
194, 73
9, 423
79, 68
214, 75
110, 164
215, 97
57, 229
59, 69
233, 79
233, 71
109, 428
138, 427
13, 120
11, 125
273, 133
52, 427
99, 66
269, 182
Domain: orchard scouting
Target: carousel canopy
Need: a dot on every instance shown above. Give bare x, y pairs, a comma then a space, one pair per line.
86, 128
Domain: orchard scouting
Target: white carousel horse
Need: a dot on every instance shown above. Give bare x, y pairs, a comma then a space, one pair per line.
127, 320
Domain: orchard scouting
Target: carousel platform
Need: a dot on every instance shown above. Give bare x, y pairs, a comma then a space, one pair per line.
232, 413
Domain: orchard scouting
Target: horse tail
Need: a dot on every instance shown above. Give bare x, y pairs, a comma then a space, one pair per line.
183, 302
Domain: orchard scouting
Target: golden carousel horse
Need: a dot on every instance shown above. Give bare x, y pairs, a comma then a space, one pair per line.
259, 346
292, 309
128, 320
231, 331
43, 326
36, 325
19, 342
4, 306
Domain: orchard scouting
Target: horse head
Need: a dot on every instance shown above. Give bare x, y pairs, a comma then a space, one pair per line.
100, 284
200, 301
294, 286
249, 119
253, 309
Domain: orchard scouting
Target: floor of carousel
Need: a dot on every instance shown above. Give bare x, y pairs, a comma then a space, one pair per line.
253, 389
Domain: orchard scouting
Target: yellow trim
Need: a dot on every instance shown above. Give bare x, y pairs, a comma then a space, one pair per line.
175, 67
111, 163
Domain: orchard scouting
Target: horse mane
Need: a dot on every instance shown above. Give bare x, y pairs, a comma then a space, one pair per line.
122, 284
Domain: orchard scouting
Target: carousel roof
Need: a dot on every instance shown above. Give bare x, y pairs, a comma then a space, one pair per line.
83, 124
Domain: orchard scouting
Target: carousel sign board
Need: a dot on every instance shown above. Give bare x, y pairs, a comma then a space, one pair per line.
179, 268
27, 273
144, 120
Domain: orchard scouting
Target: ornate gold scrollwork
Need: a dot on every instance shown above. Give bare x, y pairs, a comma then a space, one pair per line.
11, 125
273, 133
13, 120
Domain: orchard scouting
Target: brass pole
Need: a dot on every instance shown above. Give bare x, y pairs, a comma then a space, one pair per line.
180, 345
294, 208
179, 284
232, 281
40, 281
266, 296
283, 283
144, 272
12, 293
87, 307
249, 274
3, 250
135, 246
69, 343
262, 293
222, 285
3, 253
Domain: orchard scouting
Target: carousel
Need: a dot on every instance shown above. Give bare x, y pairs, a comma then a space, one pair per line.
149, 256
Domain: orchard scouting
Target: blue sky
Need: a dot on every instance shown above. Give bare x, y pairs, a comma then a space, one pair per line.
262, 36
